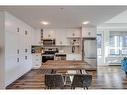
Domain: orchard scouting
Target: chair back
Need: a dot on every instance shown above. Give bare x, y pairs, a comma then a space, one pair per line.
81, 80
53, 81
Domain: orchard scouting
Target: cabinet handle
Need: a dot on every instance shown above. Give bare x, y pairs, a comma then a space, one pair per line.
25, 57
18, 29
89, 33
26, 50
17, 59
17, 51
26, 32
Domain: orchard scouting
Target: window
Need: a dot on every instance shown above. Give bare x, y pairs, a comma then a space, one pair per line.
124, 40
114, 45
124, 45
99, 44
114, 41
118, 43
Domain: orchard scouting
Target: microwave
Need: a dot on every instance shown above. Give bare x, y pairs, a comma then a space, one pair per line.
48, 42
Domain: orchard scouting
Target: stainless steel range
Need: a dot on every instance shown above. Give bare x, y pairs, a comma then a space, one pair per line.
49, 54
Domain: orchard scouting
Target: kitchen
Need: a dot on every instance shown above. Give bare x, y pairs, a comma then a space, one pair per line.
68, 46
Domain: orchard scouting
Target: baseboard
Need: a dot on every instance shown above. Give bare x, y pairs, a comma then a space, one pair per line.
114, 64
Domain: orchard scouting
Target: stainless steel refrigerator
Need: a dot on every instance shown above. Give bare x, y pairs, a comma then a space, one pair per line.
90, 51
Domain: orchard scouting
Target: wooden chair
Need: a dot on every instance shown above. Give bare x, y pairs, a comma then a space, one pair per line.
81, 80
54, 81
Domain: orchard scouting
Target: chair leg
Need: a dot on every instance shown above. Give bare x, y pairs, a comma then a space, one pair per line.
62, 87
72, 87
86, 87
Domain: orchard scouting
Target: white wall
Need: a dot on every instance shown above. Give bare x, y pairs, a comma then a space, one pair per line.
36, 37
15, 41
2, 51
105, 46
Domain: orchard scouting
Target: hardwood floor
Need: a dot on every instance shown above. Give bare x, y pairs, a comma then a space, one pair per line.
109, 77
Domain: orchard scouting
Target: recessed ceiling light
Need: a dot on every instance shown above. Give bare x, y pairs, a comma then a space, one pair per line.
44, 23
86, 22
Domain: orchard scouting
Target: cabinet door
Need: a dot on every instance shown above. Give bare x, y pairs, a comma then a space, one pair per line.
73, 33
11, 43
89, 32
49, 33
73, 57
36, 60
61, 37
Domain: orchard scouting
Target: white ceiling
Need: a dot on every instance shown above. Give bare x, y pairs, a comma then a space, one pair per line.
119, 19
68, 16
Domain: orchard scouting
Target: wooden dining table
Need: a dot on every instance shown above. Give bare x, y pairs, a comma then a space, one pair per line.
68, 69
56, 65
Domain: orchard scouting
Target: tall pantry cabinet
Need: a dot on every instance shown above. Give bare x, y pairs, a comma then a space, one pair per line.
17, 48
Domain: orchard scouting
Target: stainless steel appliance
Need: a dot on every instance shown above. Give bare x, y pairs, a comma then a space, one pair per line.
90, 51
48, 42
49, 54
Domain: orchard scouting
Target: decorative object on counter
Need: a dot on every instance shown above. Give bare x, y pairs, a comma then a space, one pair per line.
73, 47
36, 49
42, 51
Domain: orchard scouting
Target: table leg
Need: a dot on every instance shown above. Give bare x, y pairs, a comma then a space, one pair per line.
80, 71
53, 71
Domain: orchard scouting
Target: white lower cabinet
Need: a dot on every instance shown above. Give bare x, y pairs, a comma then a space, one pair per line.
73, 57
36, 60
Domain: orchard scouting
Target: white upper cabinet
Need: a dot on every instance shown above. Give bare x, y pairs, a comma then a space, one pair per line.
60, 36
89, 32
74, 33
48, 34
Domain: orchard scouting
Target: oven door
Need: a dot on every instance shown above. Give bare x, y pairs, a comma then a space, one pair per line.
47, 57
